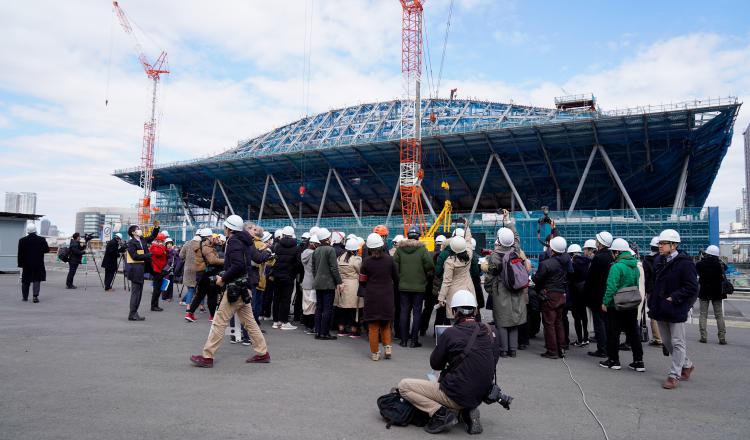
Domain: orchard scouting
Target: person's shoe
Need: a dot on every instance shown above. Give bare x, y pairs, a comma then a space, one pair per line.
24, 299
654, 343
388, 351
403, 343
609, 363
309, 331
246, 342
189, 317
442, 420
686, 372
670, 384
259, 359
722, 342
200, 361
624, 347
664, 350
523, 346
703, 340
577, 344
233, 339
637, 366
210, 318
157, 309
202, 308
355, 336
375, 356
585, 342
136, 317
415, 344
562, 353
36, 300
182, 303
512, 353
503, 354
342, 334
71, 287
287, 326
422, 332
598, 354
470, 417
549, 355
276, 325
326, 337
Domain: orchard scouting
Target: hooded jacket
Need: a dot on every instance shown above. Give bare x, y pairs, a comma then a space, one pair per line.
677, 280
710, 275
414, 265
286, 267
158, 256
187, 254
624, 273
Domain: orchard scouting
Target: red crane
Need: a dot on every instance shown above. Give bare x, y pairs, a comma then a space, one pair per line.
410, 171
153, 71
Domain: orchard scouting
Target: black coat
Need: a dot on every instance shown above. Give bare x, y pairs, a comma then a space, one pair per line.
648, 273
596, 279
382, 282
112, 252
31, 250
466, 382
253, 256
235, 256
76, 252
136, 270
286, 266
552, 274
577, 279
710, 275
677, 280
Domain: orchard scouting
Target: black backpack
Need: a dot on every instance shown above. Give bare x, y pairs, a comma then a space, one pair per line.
400, 412
63, 254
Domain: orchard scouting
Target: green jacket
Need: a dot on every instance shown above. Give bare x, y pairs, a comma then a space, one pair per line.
325, 268
623, 273
414, 266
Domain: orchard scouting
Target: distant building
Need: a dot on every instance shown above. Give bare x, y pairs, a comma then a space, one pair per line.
53, 232
20, 203
44, 228
91, 220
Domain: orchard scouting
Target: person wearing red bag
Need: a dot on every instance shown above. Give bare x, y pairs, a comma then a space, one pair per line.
158, 252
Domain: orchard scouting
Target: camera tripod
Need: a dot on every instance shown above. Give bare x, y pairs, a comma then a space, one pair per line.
96, 266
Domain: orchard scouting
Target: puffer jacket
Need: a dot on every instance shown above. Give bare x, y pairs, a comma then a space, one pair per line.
677, 280
206, 255
624, 273
414, 265
325, 268
552, 274
285, 268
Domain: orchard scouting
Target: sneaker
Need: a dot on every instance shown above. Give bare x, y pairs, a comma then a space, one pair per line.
597, 353
276, 325
24, 299
703, 340
189, 317
309, 331
686, 372
624, 347
609, 363
415, 344
355, 336
443, 420
670, 384
577, 344
182, 303
233, 339
512, 353
210, 318
637, 366
246, 342
722, 342
36, 300
202, 308
259, 359
342, 334
200, 361
654, 343
287, 326
470, 417
375, 356
388, 349
585, 342
503, 354
156, 309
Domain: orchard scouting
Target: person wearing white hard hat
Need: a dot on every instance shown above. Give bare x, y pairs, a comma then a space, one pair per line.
576, 281
378, 276
624, 274
594, 288
347, 302
589, 248
415, 268
649, 275
711, 276
266, 286
308, 289
327, 278
430, 296
113, 251
285, 269
456, 270
189, 276
675, 292
31, 251
508, 299
208, 264
396, 240
338, 242
466, 355
236, 299
550, 282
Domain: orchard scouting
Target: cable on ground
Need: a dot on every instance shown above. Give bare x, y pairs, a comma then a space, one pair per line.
583, 396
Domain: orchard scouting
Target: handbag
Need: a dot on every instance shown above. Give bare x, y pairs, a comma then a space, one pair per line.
627, 298
643, 327
727, 288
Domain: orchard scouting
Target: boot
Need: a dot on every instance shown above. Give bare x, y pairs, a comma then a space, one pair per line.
470, 418
442, 420
414, 344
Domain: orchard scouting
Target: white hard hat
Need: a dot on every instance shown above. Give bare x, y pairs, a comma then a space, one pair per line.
604, 238
337, 237
473, 243
305, 235
288, 231
574, 248
655, 241
361, 240
463, 298
118, 235
505, 237
713, 250
266, 236
558, 244
165, 232
352, 244
589, 244
314, 239
459, 232
234, 222
323, 234
222, 237
374, 241
205, 232
314, 230
31, 228
669, 235
277, 234
458, 244
398, 238
440, 239
620, 245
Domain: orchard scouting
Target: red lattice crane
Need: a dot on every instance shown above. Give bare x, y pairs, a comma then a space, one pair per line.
153, 71
410, 170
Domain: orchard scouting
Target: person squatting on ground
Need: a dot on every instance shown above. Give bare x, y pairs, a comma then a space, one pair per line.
31, 251
550, 282
285, 271
158, 251
139, 261
236, 299
650, 275
508, 304
623, 273
576, 282
207, 267
112, 253
675, 292
76, 256
327, 278
378, 280
594, 288
466, 356
710, 277
347, 301
415, 268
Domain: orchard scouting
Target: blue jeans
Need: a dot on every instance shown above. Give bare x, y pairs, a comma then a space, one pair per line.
411, 304
323, 311
188, 298
257, 303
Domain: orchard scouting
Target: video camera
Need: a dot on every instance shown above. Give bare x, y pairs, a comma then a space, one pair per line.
496, 395
88, 237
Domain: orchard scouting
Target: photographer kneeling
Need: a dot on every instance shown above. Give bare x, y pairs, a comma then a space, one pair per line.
466, 354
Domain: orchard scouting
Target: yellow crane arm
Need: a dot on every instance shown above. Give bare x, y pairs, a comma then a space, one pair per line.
443, 219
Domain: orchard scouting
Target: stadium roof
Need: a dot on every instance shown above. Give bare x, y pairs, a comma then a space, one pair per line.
545, 152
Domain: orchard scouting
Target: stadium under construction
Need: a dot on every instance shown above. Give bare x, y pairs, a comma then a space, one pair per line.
633, 172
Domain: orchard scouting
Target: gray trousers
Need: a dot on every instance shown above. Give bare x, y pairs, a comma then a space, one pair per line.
673, 339
37, 285
718, 314
136, 291
508, 338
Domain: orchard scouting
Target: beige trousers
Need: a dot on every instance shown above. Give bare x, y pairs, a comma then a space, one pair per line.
223, 314
425, 395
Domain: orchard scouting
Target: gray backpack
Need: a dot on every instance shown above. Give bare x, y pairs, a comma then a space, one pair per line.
514, 275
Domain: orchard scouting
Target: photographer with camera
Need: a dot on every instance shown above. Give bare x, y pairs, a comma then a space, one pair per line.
236, 299
76, 256
115, 248
466, 354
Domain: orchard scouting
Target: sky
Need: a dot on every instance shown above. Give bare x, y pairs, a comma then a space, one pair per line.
237, 70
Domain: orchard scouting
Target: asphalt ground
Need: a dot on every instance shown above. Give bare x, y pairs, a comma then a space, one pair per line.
73, 367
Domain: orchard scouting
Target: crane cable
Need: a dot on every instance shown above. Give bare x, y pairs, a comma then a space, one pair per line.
109, 56
445, 45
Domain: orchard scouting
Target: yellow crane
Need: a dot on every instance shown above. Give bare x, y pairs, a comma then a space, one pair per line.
443, 219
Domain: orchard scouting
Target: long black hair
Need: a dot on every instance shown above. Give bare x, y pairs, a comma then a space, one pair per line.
463, 256
348, 255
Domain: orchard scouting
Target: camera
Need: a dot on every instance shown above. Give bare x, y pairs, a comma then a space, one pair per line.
496, 395
88, 237
237, 289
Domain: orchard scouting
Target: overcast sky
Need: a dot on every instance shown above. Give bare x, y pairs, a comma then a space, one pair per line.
237, 72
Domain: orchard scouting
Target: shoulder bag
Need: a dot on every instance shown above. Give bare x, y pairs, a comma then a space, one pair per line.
627, 298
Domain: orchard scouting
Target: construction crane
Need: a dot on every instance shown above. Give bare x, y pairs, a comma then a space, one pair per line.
153, 72
443, 219
410, 146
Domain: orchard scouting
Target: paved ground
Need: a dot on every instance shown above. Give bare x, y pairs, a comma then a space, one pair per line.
72, 366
